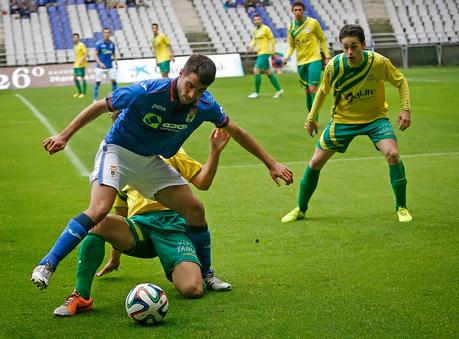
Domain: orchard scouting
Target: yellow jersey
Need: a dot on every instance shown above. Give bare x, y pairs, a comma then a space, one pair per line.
307, 38
263, 40
358, 92
160, 45
137, 204
80, 54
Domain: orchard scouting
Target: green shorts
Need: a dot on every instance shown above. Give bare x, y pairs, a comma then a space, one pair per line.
79, 71
162, 234
310, 73
262, 62
165, 67
337, 137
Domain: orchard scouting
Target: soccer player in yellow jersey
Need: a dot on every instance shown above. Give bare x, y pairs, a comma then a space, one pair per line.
356, 77
79, 66
163, 51
264, 44
306, 37
144, 228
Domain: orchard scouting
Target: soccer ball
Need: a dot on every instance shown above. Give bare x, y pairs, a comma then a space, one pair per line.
147, 304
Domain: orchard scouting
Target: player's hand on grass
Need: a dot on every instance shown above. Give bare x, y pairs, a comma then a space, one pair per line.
54, 144
312, 127
219, 139
404, 120
282, 172
110, 266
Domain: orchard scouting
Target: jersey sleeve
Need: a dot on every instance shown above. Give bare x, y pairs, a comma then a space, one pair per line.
291, 41
121, 200
184, 164
218, 115
322, 39
124, 97
325, 86
397, 79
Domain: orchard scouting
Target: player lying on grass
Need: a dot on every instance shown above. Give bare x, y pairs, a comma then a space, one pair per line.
356, 78
157, 117
144, 228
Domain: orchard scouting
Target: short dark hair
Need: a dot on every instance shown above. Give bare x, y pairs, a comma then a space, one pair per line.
298, 3
256, 15
106, 29
154, 24
78, 35
202, 66
352, 30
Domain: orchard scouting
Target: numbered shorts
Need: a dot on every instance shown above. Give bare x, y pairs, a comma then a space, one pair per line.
310, 73
262, 62
162, 234
108, 72
165, 66
337, 137
79, 72
117, 167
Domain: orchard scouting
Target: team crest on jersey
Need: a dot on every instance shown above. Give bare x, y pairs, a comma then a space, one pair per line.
191, 115
308, 30
112, 172
371, 77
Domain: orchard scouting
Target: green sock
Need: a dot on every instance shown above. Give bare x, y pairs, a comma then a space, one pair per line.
84, 86
308, 102
78, 85
257, 82
308, 185
274, 81
398, 182
90, 256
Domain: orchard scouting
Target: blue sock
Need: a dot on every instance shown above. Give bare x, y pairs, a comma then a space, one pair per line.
76, 230
114, 86
96, 90
200, 237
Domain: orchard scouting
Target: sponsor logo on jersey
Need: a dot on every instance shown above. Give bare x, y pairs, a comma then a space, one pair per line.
155, 121
172, 127
351, 97
152, 120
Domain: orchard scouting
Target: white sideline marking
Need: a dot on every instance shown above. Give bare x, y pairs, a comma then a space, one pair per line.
403, 156
432, 80
76, 162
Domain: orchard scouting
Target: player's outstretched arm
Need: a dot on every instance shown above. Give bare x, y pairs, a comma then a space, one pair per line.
58, 142
276, 169
218, 140
311, 124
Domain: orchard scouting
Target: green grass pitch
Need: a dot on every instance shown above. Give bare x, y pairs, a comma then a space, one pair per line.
349, 270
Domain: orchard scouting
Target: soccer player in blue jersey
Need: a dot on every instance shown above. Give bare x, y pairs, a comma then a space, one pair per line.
105, 56
157, 117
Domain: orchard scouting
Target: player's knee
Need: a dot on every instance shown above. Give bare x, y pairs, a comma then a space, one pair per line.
313, 89
393, 156
195, 209
192, 290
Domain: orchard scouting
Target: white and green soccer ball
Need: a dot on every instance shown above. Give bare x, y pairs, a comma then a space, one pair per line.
147, 304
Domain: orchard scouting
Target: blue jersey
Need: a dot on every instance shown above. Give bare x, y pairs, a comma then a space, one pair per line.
105, 51
153, 121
